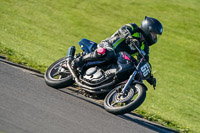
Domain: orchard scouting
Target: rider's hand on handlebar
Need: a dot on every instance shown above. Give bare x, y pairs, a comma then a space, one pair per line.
136, 42
128, 39
154, 83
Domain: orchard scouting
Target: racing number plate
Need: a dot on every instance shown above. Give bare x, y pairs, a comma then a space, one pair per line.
146, 69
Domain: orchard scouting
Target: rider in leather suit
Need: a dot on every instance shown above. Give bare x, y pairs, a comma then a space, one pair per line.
144, 36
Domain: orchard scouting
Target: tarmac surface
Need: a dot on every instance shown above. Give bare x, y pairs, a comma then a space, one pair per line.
28, 105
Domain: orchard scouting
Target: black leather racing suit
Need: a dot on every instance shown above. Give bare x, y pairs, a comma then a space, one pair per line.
115, 44
118, 43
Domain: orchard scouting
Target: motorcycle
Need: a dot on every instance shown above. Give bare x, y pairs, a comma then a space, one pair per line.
121, 80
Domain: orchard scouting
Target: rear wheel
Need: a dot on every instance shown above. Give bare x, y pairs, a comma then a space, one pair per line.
58, 75
117, 103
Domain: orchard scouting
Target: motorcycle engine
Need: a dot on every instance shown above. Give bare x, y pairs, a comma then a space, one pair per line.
94, 75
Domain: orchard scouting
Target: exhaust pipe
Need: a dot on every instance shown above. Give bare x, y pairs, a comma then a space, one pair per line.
70, 56
70, 53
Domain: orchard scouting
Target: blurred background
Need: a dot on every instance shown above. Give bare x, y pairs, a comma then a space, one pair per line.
37, 33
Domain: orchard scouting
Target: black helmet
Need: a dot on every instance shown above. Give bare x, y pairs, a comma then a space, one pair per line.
152, 28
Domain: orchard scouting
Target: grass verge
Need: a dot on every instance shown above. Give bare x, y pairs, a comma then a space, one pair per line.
36, 33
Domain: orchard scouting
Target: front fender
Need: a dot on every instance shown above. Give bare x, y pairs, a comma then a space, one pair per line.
139, 82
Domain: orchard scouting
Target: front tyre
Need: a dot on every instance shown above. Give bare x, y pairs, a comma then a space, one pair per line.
58, 75
117, 104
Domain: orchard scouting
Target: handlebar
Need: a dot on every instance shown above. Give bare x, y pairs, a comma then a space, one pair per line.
141, 52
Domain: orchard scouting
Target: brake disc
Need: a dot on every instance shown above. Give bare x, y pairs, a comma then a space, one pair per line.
122, 98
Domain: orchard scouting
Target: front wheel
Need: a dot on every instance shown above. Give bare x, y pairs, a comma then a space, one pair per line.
58, 75
117, 103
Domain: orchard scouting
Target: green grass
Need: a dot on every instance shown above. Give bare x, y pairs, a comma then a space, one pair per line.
36, 33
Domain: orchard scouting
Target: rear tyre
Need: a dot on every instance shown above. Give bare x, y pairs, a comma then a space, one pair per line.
58, 75
117, 104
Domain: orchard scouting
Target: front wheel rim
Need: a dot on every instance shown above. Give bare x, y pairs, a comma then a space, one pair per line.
132, 96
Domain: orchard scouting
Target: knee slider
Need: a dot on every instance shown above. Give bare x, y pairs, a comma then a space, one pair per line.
101, 51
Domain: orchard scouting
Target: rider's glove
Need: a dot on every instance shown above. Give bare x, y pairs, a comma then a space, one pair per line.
128, 39
124, 32
136, 42
152, 81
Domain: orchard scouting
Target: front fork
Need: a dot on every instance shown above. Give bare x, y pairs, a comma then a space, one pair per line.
131, 78
128, 83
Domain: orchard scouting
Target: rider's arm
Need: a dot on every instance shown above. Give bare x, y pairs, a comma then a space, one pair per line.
123, 32
152, 81
145, 48
127, 30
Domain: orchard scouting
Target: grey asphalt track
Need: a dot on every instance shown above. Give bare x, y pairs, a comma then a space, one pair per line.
28, 105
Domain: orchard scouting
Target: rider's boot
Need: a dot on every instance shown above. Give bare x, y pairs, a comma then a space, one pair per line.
94, 56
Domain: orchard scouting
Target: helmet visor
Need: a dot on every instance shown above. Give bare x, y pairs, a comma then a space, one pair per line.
154, 36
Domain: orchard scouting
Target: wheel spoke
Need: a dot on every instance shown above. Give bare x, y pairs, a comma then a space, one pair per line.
56, 74
60, 77
118, 104
65, 72
56, 67
60, 73
114, 103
